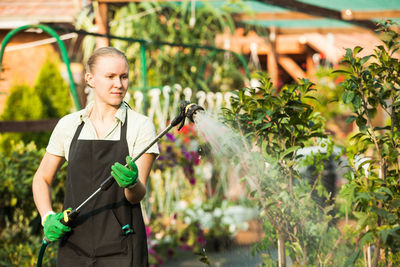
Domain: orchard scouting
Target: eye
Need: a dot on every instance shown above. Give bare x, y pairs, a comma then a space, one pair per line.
124, 77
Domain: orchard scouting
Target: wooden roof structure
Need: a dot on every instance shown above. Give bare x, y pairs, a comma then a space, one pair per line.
297, 30
15, 13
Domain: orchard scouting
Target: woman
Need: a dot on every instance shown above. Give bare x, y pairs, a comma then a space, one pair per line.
109, 230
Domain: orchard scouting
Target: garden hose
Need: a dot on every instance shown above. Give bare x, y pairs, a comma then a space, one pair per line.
187, 110
45, 243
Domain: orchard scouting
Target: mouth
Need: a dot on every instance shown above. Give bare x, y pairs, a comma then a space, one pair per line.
117, 93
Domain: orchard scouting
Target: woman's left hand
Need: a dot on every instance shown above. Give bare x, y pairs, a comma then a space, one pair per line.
126, 177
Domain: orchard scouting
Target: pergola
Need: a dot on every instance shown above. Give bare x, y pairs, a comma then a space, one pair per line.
296, 30
300, 30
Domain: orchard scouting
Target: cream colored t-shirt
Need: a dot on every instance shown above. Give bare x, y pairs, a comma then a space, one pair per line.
140, 131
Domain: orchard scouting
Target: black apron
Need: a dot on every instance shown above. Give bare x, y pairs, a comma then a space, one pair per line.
109, 230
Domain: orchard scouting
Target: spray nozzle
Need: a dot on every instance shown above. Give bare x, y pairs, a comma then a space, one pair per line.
186, 110
191, 109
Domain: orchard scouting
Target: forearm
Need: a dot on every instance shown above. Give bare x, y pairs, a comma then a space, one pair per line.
41, 195
42, 181
135, 194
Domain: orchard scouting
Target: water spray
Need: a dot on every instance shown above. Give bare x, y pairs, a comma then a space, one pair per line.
186, 110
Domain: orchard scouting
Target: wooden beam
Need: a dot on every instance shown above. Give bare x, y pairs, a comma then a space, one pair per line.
349, 14
28, 125
240, 43
128, 1
272, 63
286, 44
310, 62
273, 16
323, 30
102, 25
291, 67
317, 11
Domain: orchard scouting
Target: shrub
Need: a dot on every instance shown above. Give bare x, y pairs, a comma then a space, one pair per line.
20, 229
49, 98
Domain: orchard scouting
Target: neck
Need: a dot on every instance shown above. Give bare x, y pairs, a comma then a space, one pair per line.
103, 112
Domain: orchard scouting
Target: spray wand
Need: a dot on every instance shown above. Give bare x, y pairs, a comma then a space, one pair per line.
186, 110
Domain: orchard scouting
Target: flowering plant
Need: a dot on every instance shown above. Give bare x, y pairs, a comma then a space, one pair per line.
180, 149
169, 234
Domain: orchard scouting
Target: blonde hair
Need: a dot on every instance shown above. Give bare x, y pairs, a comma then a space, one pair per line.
102, 52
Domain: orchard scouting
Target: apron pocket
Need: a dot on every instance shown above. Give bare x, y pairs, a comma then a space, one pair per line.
114, 248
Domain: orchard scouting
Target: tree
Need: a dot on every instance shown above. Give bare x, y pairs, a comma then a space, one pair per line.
278, 124
372, 84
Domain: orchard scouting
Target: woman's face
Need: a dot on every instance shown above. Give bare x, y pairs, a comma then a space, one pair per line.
109, 79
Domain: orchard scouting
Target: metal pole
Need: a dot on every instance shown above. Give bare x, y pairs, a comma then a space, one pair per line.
109, 180
144, 75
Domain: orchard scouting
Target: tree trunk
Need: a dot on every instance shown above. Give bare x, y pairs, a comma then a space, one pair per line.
375, 260
281, 250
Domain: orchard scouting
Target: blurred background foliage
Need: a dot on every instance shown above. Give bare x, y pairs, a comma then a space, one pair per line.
48, 98
174, 23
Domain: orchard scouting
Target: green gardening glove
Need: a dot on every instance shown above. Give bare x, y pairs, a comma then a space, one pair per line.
126, 177
53, 228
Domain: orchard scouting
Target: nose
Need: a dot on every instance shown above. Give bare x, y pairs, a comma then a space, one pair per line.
118, 82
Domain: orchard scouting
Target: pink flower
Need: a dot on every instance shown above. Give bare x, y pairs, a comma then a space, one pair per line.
148, 231
201, 240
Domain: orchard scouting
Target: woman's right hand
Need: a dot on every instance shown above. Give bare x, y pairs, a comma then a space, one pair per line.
53, 228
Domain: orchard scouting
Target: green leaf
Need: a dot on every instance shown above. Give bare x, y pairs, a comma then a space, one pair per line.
349, 54
363, 196
386, 190
288, 151
350, 119
361, 121
357, 50
367, 238
353, 257
371, 112
395, 104
357, 136
341, 71
364, 59
395, 203
384, 235
357, 102
382, 128
347, 96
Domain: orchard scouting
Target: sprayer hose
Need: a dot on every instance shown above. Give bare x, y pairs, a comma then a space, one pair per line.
41, 253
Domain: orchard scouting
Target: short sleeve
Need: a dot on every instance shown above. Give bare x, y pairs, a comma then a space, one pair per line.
56, 142
146, 135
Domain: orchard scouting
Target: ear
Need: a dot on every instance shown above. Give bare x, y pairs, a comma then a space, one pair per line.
89, 79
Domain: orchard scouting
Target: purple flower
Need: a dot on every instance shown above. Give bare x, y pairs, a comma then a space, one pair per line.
170, 137
169, 149
170, 253
195, 157
192, 181
186, 247
187, 155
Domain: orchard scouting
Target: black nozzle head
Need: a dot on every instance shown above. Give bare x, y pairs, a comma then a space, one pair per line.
191, 109
186, 110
